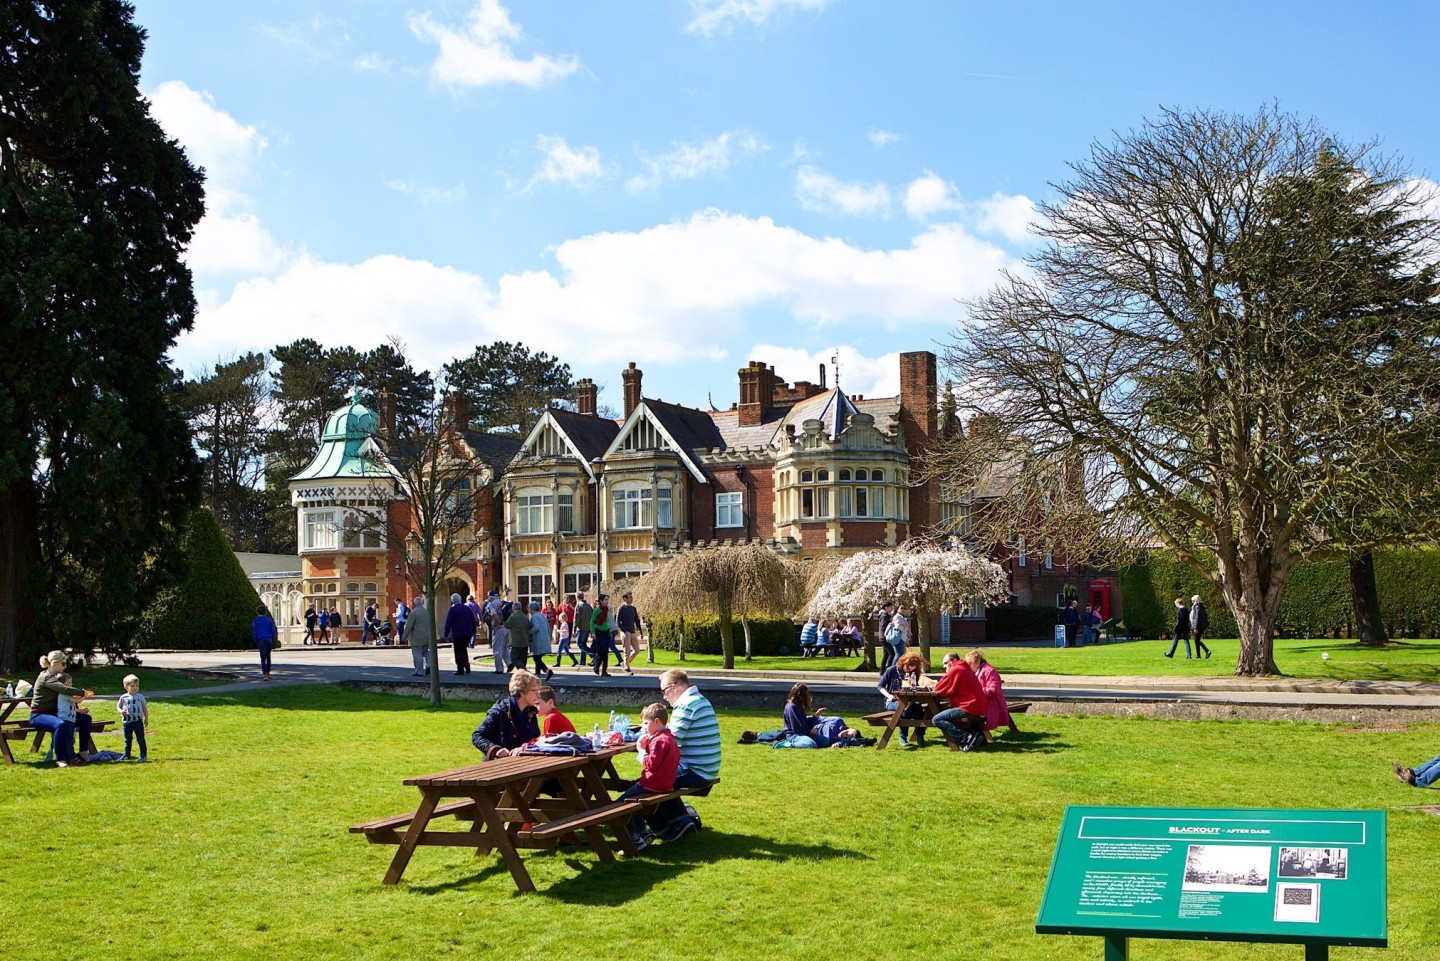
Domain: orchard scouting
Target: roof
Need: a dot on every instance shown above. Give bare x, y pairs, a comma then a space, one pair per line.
591, 435
686, 429
347, 446
833, 407
493, 450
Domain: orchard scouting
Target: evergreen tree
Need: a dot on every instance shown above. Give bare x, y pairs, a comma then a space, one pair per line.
211, 605
508, 386
96, 205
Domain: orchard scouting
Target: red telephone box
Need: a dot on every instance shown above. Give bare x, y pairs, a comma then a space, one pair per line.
1100, 598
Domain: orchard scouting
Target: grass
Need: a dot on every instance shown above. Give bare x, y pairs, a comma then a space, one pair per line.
106, 680
1296, 657
232, 843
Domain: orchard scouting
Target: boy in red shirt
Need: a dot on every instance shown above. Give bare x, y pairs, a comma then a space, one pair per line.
659, 760
964, 723
551, 720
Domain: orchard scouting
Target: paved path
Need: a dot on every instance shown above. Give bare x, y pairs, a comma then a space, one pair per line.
330, 665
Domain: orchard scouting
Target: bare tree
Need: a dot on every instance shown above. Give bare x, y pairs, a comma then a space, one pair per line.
425, 496
1228, 347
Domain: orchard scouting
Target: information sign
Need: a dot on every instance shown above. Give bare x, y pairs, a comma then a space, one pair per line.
1303, 877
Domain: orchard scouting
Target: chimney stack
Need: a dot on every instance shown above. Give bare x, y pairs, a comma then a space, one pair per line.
757, 392
631, 377
585, 393
387, 411
919, 390
459, 411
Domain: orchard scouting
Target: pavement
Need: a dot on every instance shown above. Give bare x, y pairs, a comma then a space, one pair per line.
392, 666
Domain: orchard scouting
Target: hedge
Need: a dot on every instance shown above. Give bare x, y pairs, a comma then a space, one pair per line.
1018, 622
1316, 602
768, 636
212, 606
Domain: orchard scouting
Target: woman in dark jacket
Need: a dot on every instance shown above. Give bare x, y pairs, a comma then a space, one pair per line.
511, 723
45, 710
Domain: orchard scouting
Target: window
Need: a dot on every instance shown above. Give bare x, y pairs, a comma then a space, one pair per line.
631, 508
807, 477
877, 500
807, 502
352, 588
729, 509
565, 513
360, 531
861, 475
822, 476
535, 587
664, 508
460, 502
844, 473
319, 531
862, 501
577, 581
1021, 560
877, 475
822, 501
844, 502
1049, 558
534, 513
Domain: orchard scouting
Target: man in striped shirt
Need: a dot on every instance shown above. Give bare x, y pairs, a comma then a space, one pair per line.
697, 732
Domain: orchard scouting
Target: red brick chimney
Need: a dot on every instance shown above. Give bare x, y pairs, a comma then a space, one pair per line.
585, 394
757, 392
631, 376
459, 411
919, 387
386, 403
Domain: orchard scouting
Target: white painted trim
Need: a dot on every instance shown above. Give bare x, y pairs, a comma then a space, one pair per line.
643, 412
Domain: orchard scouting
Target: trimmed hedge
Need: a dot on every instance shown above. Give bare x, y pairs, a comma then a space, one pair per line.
1018, 622
1316, 603
769, 636
212, 606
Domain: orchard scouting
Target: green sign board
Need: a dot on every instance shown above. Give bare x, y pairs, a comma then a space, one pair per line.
1302, 877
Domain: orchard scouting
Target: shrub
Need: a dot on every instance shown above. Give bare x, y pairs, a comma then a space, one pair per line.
1148, 591
768, 635
212, 605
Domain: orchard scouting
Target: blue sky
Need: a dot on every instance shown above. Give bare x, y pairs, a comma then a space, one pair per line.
690, 185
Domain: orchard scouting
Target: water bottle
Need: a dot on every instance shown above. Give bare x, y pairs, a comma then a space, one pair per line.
611, 725
595, 736
9, 689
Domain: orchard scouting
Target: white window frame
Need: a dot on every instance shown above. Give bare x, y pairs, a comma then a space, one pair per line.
534, 511
730, 509
565, 513
630, 506
665, 507
318, 531
1020, 559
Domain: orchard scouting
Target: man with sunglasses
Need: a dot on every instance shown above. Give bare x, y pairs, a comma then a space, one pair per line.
697, 732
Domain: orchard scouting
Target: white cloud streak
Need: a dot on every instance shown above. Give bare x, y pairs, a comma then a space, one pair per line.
882, 138
819, 191
481, 51
691, 161
565, 164
717, 16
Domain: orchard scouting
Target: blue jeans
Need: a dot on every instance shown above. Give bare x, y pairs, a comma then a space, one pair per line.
888, 656
1427, 773
1175, 643
957, 723
638, 823
265, 647
582, 642
916, 711
62, 734
797, 741
668, 812
135, 730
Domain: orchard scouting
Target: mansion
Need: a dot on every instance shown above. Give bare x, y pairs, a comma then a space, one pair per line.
805, 469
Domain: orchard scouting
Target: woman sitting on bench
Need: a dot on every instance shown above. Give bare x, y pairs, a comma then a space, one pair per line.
998, 714
511, 723
806, 730
906, 672
45, 713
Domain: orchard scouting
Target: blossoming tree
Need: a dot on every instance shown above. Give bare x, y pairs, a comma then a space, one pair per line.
918, 575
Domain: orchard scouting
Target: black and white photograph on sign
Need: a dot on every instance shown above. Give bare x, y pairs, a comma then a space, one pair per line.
1297, 902
1238, 868
1313, 863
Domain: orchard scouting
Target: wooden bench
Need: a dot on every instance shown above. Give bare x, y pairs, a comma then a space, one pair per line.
96, 727
385, 830
882, 718
616, 814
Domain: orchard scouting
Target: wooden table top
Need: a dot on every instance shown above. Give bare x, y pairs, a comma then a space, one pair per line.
517, 767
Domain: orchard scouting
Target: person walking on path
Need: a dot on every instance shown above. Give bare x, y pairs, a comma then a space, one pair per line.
460, 631
632, 627
517, 624
1199, 624
263, 631
1071, 620
540, 640
1182, 628
582, 624
882, 630
603, 643
419, 632
311, 619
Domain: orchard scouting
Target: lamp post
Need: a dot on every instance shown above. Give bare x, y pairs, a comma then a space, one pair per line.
597, 465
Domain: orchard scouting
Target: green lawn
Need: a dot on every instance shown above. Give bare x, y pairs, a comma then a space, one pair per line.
1406, 660
232, 843
106, 680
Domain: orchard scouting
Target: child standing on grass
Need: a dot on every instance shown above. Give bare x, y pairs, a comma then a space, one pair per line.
659, 760
551, 720
134, 715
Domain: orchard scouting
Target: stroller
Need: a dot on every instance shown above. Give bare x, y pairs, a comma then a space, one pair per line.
380, 630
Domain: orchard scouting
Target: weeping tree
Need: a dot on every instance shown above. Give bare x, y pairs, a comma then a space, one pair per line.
811, 576
1228, 345
745, 580
919, 575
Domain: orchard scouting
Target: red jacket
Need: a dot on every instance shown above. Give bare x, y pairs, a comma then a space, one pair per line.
555, 723
662, 760
963, 688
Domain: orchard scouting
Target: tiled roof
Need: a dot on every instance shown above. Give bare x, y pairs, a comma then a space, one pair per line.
493, 450
692, 429
832, 407
591, 435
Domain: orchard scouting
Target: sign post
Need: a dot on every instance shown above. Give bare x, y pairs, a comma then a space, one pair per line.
1314, 878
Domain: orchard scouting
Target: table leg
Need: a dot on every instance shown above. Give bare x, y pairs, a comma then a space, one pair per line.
418, 823
593, 833
890, 726
5, 751
502, 841
1317, 952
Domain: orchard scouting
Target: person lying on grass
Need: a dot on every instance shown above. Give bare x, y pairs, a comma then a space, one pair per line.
804, 730
512, 722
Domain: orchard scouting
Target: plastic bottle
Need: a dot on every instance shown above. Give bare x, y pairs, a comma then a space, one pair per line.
9, 689
611, 725
595, 736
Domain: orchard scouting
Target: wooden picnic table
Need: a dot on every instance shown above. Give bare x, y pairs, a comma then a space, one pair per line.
930, 704
502, 800
19, 730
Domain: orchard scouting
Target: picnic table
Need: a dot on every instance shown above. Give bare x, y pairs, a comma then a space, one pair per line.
19, 730
930, 705
502, 801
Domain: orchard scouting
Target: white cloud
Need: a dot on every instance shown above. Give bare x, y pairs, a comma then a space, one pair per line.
817, 190
427, 195
882, 138
859, 374
371, 62
669, 293
712, 16
481, 51
565, 164
1009, 215
230, 239
690, 161
931, 194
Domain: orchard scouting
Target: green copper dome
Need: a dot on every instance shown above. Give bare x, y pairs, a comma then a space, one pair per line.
347, 446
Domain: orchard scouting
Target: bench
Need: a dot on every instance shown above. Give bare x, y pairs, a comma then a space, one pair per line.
382, 831
616, 813
882, 718
651, 800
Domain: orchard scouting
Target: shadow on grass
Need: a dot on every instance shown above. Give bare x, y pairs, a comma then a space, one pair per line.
1025, 742
1391, 662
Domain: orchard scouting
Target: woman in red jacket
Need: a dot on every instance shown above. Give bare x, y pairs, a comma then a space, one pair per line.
964, 722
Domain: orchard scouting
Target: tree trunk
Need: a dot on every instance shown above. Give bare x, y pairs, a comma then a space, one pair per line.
868, 637
922, 632
745, 628
725, 607
1365, 598
19, 555
434, 645
680, 642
